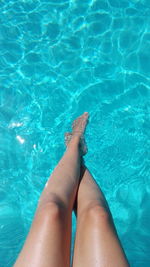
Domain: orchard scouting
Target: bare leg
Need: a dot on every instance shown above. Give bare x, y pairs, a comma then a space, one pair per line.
97, 243
48, 242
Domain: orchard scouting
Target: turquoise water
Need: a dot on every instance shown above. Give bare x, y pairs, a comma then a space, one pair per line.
59, 58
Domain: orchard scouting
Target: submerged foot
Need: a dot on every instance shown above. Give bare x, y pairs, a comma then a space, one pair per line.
78, 129
79, 125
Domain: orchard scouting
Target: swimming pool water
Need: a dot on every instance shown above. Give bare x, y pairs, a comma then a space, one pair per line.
59, 58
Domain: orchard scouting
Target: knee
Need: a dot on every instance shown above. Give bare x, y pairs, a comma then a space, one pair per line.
51, 212
98, 215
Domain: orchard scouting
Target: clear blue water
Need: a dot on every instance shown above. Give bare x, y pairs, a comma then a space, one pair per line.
59, 58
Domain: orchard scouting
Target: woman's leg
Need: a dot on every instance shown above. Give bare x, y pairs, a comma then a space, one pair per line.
48, 242
96, 243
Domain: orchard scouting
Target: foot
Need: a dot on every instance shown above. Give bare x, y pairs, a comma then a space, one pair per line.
82, 144
79, 125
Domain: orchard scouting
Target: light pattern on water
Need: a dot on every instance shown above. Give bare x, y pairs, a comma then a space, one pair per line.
59, 58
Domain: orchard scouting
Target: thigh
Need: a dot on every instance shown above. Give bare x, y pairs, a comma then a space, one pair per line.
48, 242
97, 243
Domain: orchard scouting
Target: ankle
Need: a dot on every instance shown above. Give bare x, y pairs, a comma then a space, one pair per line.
74, 142
75, 139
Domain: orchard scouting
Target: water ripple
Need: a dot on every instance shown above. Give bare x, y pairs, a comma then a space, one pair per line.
59, 58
